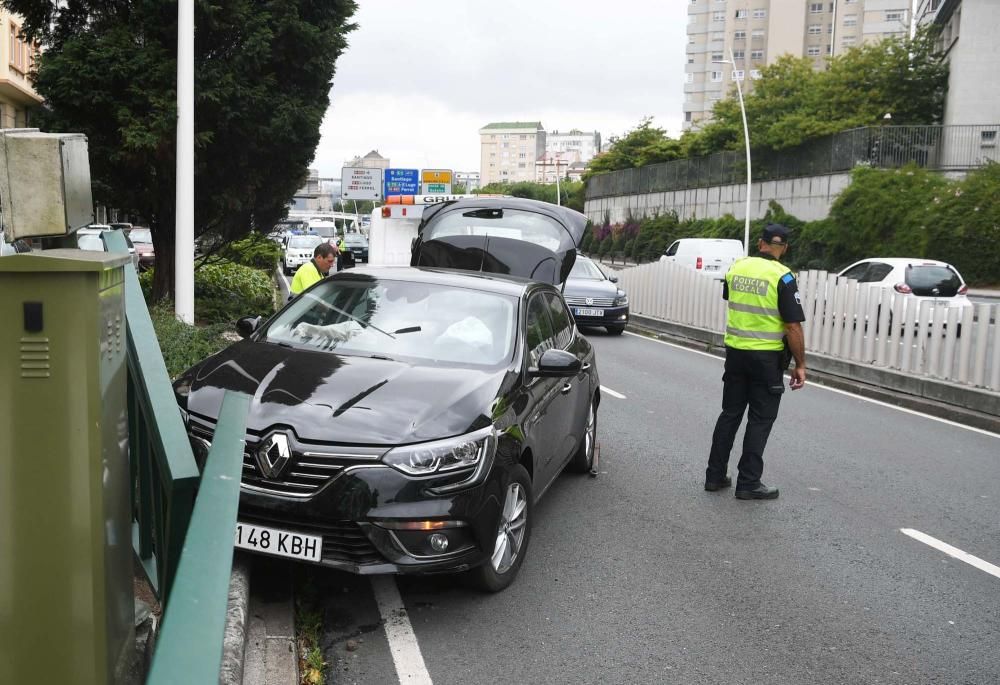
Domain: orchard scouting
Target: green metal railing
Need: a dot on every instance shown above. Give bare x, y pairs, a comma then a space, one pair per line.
184, 523
941, 148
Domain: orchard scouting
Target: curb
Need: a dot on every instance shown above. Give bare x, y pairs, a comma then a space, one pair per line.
962, 404
234, 641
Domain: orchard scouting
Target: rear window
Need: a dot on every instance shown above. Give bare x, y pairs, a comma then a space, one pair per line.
925, 279
508, 223
141, 235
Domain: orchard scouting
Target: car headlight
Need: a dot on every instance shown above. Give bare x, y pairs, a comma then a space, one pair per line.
442, 456
621, 300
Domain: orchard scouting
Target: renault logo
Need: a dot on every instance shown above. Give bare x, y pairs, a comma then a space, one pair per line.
273, 454
590, 300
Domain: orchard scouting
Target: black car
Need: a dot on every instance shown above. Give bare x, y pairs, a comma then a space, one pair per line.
595, 298
406, 419
357, 245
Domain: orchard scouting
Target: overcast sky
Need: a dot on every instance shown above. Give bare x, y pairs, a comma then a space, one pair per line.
420, 79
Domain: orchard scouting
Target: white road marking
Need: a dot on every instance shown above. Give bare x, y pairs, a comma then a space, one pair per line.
842, 392
281, 275
952, 551
410, 667
613, 393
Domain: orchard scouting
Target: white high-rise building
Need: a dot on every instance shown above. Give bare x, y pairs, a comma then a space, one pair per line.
575, 145
508, 151
759, 31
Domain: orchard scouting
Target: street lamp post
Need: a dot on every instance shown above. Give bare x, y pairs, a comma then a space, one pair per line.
558, 193
746, 140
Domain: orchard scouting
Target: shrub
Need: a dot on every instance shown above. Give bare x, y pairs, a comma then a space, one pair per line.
963, 226
183, 345
223, 292
256, 250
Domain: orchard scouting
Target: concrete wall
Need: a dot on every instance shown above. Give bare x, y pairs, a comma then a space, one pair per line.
808, 198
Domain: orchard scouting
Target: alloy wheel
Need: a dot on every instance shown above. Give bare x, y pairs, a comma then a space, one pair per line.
510, 534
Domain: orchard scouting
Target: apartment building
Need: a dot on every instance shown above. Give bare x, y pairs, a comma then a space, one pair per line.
757, 32
508, 151
17, 56
968, 37
469, 179
576, 145
373, 160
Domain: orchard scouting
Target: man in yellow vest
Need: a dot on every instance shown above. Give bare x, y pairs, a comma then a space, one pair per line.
315, 270
764, 314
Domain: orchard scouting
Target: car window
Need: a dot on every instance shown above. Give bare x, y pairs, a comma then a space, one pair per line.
877, 271
141, 235
672, 250
303, 242
403, 320
562, 322
857, 272
539, 325
90, 241
354, 239
585, 268
931, 280
507, 223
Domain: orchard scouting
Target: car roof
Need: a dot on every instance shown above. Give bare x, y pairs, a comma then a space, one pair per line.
904, 261
498, 283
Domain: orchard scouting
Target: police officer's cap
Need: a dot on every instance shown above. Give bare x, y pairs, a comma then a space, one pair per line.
776, 234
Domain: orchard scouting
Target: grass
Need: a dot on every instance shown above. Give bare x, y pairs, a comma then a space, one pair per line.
308, 629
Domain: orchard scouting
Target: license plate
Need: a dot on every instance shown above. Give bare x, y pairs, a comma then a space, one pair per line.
711, 267
281, 543
590, 312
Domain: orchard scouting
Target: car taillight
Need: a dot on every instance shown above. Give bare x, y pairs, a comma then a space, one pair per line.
963, 290
698, 264
903, 288
386, 212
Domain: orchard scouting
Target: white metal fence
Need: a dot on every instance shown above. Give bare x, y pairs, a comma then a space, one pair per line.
845, 319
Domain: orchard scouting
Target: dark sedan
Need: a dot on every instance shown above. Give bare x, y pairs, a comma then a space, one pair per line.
595, 298
357, 245
405, 420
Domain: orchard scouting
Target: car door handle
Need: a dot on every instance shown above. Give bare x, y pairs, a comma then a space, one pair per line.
585, 367
566, 388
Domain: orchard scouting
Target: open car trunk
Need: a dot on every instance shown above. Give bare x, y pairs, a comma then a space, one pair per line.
512, 236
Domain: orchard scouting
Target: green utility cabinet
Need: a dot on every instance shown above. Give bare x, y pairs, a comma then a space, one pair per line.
66, 597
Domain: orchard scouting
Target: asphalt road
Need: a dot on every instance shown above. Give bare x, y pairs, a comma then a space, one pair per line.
639, 576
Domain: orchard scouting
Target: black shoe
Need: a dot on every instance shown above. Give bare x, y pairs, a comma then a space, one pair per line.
759, 492
713, 485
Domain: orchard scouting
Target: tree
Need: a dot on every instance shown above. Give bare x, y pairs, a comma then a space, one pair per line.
263, 70
645, 144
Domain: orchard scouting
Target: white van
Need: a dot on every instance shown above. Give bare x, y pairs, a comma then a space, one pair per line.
710, 256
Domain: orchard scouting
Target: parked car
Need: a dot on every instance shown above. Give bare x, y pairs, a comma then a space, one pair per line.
357, 245
142, 239
918, 279
298, 251
89, 238
406, 419
15, 247
595, 298
710, 256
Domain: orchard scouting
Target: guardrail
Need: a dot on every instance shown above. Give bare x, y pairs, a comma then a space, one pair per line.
941, 148
183, 522
847, 320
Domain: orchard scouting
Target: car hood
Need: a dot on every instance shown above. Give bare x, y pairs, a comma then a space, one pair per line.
590, 287
326, 397
502, 255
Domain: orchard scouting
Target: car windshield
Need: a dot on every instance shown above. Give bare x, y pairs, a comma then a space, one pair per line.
925, 279
401, 320
304, 242
141, 235
355, 239
584, 268
506, 223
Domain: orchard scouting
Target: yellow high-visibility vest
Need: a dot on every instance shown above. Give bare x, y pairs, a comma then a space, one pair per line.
753, 321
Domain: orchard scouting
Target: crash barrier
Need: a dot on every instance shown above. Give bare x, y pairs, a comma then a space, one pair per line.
939, 148
846, 320
183, 523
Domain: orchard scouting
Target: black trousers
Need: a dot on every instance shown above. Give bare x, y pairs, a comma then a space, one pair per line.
752, 378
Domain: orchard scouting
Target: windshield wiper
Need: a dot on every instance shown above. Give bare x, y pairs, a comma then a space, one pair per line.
408, 329
363, 323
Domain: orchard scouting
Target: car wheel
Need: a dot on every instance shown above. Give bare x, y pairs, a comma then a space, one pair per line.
615, 330
583, 460
512, 536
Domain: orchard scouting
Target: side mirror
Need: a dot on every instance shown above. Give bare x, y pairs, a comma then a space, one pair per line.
613, 279
556, 364
247, 325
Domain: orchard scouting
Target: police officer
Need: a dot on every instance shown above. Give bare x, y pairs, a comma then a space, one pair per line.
315, 270
764, 315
